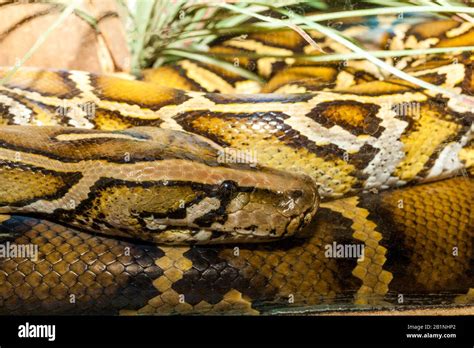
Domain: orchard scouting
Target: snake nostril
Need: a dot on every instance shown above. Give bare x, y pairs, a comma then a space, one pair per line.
296, 194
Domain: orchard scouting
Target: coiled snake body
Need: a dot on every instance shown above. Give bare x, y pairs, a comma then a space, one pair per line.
333, 137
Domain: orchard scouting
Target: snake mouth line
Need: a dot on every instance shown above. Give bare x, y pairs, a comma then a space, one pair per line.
164, 234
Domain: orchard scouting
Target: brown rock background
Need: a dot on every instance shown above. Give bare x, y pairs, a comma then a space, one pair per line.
75, 44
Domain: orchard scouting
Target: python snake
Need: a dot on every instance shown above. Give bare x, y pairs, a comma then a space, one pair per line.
109, 175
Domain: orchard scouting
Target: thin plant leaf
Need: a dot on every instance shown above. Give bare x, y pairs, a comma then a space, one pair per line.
209, 60
336, 37
277, 21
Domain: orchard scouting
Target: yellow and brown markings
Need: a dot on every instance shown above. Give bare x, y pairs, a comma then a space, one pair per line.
421, 149
173, 263
322, 75
298, 272
195, 76
44, 82
171, 76
112, 120
379, 88
278, 146
4, 217
267, 66
211, 79
315, 77
75, 144
109, 203
139, 93
22, 184
209, 293
439, 33
408, 235
284, 39
358, 118
375, 280
16, 109
235, 55
426, 30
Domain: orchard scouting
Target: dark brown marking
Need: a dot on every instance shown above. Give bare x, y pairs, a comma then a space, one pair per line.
358, 118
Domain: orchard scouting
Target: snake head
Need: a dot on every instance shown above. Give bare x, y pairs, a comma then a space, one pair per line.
236, 207
171, 187
191, 196
187, 192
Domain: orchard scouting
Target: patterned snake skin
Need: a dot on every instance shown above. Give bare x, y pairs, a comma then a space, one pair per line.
352, 130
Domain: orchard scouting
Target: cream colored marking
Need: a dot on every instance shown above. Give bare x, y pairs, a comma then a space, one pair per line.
366, 66
308, 49
205, 206
259, 48
247, 87
206, 78
78, 118
448, 160
135, 172
338, 47
264, 64
454, 74
375, 283
413, 43
291, 88
459, 105
391, 152
463, 28
193, 212
75, 136
83, 83
400, 32
21, 114
356, 31
344, 80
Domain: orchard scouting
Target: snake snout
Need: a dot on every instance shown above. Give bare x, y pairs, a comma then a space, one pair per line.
304, 202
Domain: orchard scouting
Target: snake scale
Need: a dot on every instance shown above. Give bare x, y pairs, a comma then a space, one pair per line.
332, 159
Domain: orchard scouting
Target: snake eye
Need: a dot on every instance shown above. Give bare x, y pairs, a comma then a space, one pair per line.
227, 188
